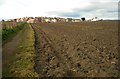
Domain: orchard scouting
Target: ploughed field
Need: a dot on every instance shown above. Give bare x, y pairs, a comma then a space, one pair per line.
85, 49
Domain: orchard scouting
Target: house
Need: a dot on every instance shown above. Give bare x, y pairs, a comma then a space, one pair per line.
50, 19
76, 20
31, 20
96, 19
18, 20
47, 19
58, 19
63, 20
37, 19
69, 20
53, 20
1, 24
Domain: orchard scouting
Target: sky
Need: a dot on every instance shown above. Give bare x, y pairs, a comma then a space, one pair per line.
104, 9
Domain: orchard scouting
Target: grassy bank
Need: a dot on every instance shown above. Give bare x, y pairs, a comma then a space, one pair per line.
22, 60
8, 33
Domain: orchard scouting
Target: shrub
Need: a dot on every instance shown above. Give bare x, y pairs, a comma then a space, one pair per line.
6, 33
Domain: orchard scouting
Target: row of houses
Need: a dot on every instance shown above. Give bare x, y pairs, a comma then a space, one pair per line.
95, 19
49, 19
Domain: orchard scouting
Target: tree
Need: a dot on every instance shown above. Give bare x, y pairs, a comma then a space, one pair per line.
83, 18
3, 20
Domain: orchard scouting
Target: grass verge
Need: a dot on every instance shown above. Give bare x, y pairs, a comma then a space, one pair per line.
22, 61
8, 33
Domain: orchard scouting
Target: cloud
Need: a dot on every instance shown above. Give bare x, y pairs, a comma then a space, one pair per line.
2, 2
69, 14
94, 9
60, 8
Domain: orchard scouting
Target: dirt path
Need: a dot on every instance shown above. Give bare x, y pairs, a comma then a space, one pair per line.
8, 51
10, 47
18, 55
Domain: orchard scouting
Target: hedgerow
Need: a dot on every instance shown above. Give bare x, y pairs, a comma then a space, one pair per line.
6, 33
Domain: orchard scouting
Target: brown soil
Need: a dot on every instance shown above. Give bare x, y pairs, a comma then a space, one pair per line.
86, 49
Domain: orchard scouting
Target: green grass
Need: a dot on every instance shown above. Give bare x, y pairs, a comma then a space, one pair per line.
22, 61
0, 38
8, 33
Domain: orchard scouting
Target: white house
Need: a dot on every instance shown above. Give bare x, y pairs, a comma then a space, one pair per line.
76, 20
47, 20
95, 19
53, 20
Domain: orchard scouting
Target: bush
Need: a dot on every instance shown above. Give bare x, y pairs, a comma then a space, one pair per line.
6, 33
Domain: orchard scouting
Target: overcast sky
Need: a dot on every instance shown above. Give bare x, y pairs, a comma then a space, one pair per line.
104, 9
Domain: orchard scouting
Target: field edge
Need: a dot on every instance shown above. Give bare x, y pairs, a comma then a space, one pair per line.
22, 64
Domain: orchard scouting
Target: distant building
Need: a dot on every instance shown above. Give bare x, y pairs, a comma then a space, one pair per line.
50, 19
1, 24
96, 19
77, 20
53, 20
31, 20
69, 20
47, 20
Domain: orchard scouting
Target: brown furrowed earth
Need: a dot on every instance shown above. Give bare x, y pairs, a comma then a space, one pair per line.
85, 49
